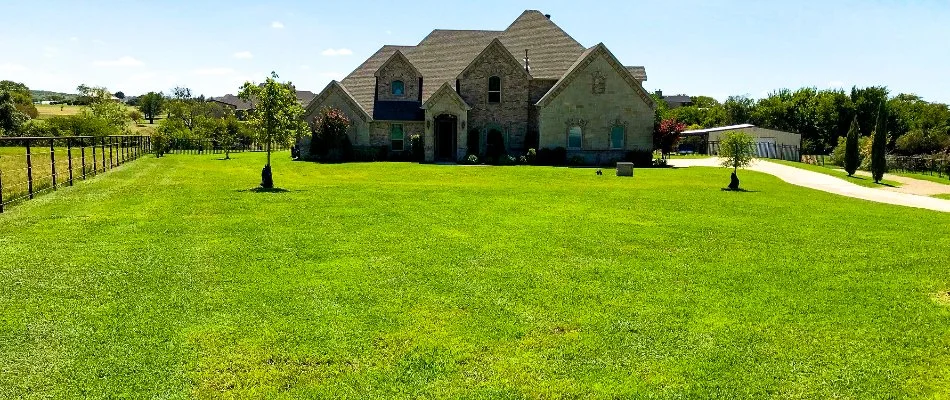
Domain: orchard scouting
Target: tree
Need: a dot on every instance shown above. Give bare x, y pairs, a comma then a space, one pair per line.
11, 119
151, 105
736, 150
119, 95
21, 96
135, 116
852, 153
879, 146
666, 135
277, 117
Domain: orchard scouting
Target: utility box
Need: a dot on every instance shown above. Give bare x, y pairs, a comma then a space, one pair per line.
624, 169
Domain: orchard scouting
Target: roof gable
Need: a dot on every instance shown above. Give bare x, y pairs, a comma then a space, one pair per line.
329, 89
494, 49
444, 91
584, 60
550, 49
397, 57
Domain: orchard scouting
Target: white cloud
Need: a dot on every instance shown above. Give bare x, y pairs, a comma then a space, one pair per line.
277, 25
336, 52
74, 39
213, 71
121, 62
243, 55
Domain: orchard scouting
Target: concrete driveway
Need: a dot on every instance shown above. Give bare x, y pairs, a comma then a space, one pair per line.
827, 183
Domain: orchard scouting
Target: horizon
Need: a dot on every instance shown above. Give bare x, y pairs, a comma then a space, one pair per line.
748, 49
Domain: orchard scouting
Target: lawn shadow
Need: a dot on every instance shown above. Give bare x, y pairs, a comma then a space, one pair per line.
265, 190
740, 190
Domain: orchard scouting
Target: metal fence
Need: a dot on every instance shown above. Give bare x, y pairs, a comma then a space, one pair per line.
765, 150
937, 165
209, 146
30, 166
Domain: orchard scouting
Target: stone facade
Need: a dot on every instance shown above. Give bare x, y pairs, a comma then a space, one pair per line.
596, 97
510, 115
446, 101
334, 96
397, 68
380, 133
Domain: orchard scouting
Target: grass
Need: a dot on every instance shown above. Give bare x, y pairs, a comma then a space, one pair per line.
945, 196
13, 168
922, 176
839, 173
170, 278
51, 110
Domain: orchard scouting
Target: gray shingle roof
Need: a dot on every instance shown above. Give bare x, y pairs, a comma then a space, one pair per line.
233, 101
638, 72
443, 54
305, 97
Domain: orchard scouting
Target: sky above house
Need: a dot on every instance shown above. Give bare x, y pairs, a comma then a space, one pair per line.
695, 47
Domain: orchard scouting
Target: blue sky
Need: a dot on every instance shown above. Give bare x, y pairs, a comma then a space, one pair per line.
715, 48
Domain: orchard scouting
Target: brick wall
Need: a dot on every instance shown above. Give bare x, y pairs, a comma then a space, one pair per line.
511, 114
397, 68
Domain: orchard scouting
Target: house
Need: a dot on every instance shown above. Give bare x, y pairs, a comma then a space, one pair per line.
769, 143
242, 107
494, 92
675, 101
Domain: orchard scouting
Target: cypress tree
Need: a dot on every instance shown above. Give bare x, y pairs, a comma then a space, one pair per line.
852, 152
879, 146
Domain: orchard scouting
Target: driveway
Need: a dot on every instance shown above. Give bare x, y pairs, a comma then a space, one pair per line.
830, 184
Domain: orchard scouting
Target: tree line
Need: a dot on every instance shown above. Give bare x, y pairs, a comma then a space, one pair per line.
823, 117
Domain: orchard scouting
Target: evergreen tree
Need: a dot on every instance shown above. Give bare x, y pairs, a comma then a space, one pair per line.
879, 146
852, 152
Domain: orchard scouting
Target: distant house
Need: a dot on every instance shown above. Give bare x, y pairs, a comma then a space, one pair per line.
241, 108
675, 101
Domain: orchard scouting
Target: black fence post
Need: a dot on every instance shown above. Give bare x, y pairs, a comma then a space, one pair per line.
111, 163
103, 148
29, 169
95, 163
52, 161
69, 155
82, 150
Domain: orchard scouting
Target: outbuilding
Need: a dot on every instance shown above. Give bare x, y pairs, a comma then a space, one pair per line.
769, 143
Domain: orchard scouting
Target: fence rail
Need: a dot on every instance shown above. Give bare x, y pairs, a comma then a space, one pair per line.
209, 146
765, 150
30, 166
938, 165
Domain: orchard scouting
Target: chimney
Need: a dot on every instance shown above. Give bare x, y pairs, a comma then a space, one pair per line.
548, 16
659, 93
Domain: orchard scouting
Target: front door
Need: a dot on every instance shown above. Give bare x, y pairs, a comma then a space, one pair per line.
445, 133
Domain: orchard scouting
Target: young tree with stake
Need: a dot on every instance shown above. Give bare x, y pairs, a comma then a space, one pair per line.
737, 150
852, 150
277, 117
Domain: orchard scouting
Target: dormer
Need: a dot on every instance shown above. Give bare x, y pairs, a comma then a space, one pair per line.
398, 80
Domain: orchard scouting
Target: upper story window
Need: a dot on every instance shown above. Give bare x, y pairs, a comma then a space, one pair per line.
574, 138
494, 89
616, 137
399, 88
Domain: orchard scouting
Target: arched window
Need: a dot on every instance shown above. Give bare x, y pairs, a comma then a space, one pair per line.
494, 89
617, 134
574, 138
399, 88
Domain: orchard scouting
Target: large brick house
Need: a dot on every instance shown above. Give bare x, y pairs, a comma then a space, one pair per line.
476, 92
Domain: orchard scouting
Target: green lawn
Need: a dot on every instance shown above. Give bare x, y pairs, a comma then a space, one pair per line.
942, 196
839, 173
927, 177
168, 278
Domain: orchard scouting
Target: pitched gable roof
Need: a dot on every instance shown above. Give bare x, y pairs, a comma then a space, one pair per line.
494, 45
234, 101
584, 60
443, 54
334, 86
396, 57
550, 49
446, 90
638, 72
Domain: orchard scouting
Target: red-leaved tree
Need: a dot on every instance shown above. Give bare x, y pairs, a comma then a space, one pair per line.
666, 135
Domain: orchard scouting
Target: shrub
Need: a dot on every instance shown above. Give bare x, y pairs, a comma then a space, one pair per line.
639, 158
659, 163
530, 157
576, 161
922, 142
555, 156
471, 159
416, 148
330, 142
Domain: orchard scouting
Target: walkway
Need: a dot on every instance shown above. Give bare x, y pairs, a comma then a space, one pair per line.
830, 184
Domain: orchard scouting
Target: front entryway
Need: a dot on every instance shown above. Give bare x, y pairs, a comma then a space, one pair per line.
446, 130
